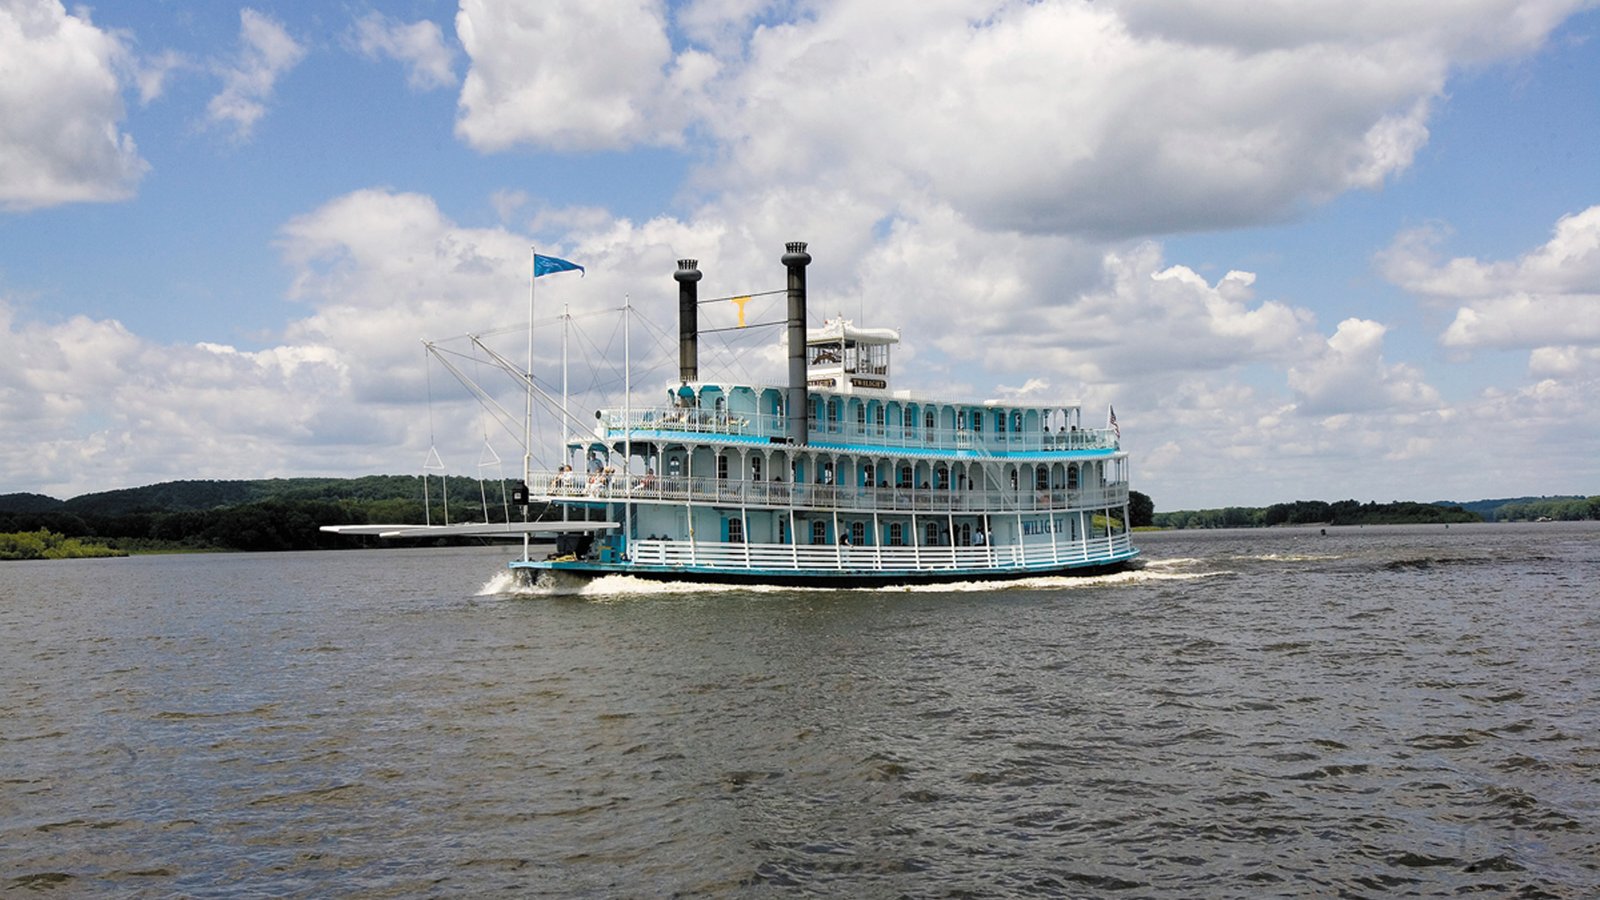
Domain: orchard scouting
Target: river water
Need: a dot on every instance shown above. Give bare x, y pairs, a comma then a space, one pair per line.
1285, 712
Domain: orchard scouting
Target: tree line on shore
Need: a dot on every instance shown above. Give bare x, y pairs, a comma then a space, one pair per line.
285, 514
1406, 512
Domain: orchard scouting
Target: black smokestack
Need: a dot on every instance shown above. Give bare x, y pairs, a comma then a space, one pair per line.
688, 276
796, 259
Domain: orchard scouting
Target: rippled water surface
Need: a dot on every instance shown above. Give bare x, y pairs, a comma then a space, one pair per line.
1366, 712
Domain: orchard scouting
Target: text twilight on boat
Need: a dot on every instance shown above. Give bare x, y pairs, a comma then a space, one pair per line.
833, 479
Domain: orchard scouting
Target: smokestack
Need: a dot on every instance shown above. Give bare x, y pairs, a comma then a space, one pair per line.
796, 260
688, 276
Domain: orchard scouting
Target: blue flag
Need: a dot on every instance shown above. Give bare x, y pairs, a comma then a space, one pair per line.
544, 265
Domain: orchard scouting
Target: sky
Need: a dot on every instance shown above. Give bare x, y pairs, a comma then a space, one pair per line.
1307, 250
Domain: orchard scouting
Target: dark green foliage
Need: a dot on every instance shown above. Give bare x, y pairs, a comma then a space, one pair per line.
1319, 512
1141, 510
43, 544
274, 514
1227, 517
1559, 509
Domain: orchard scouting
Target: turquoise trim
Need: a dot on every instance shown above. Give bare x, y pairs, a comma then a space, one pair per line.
916, 453
719, 439
815, 577
820, 575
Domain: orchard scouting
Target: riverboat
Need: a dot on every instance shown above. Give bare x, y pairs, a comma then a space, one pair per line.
835, 478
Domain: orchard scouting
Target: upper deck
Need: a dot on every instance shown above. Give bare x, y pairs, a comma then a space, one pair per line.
851, 406
754, 414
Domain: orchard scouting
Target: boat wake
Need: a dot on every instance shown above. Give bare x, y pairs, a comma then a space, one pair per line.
620, 587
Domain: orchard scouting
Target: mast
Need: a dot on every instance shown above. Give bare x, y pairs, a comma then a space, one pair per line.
527, 415
566, 328
627, 424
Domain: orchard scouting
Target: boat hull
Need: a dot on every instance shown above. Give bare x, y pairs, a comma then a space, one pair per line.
842, 579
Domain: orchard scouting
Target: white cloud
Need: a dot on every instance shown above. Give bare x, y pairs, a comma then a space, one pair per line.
267, 52
1568, 363
1476, 30
721, 25
1141, 319
1548, 297
1115, 119
103, 407
61, 110
1097, 119
153, 72
429, 62
573, 75
1351, 376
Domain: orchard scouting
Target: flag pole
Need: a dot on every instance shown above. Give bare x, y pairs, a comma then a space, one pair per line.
527, 415
627, 424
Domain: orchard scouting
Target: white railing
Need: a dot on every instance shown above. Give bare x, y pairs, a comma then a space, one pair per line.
838, 558
673, 420
610, 487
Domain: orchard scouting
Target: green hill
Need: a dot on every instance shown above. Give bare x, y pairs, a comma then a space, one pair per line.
28, 503
266, 514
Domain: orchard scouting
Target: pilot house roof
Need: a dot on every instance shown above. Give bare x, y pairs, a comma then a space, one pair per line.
834, 331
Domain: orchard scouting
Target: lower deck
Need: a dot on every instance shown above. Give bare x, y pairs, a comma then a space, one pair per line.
830, 547
841, 566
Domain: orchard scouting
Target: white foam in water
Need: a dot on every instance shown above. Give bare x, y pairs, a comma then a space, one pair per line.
609, 587
503, 582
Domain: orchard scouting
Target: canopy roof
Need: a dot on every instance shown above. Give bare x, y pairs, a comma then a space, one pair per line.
841, 329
